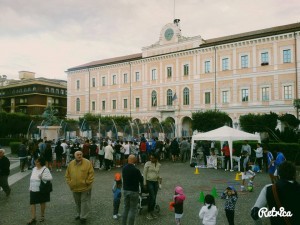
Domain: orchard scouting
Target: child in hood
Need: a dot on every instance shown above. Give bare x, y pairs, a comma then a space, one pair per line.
117, 186
231, 197
178, 198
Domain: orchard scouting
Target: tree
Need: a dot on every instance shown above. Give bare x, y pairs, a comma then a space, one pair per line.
259, 123
209, 120
289, 120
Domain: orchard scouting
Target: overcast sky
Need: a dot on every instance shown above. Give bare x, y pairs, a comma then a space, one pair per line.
48, 37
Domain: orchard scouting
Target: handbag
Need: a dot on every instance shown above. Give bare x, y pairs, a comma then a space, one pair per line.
45, 187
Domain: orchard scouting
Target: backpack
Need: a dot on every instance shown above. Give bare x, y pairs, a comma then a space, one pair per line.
143, 146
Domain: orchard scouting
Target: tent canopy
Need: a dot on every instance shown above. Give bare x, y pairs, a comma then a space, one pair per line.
224, 133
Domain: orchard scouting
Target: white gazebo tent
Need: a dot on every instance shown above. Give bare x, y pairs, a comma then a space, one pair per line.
224, 133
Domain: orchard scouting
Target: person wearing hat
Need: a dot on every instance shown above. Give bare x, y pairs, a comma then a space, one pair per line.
116, 189
178, 199
231, 197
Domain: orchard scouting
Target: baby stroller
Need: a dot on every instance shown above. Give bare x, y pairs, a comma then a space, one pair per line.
144, 199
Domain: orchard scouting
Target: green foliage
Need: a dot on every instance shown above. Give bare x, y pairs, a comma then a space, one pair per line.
13, 124
248, 123
14, 146
209, 120
296, 103
259, 123
289, 120
6, 141
107, 122
270, 121
237, 146
288, 135
290, 150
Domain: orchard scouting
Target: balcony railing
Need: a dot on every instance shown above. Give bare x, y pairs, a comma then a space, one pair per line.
168, 108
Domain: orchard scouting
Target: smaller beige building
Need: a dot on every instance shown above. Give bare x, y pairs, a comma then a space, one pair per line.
253, 72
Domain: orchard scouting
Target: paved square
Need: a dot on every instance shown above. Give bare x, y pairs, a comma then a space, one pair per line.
15, 209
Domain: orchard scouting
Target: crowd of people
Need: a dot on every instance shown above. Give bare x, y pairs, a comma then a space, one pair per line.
103, 154
80, 160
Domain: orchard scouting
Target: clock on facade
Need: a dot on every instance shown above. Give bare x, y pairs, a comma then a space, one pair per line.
169, 34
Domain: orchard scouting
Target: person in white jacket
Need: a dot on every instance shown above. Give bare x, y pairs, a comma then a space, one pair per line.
259, 156
108, 156
40, 173
209, 211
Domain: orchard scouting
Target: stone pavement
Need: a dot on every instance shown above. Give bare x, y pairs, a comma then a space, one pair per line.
15, 209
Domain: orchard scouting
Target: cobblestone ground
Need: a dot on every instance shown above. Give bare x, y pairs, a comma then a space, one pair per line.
15, 209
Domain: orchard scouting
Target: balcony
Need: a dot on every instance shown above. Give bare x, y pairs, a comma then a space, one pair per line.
168, 108
264, 63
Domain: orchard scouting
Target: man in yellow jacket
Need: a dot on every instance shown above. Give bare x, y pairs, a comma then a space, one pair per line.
80, 177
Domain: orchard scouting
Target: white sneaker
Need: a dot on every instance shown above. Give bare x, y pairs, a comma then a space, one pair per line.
119, 215
115, 217
149, 216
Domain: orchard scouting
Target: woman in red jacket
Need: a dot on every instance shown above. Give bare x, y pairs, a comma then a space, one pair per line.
226, 152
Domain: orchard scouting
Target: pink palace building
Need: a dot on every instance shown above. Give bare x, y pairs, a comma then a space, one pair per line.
252, 72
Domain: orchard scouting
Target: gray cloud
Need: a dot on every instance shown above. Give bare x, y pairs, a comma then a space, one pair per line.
48, 37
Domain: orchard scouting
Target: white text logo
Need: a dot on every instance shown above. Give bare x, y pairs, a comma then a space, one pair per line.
264, 212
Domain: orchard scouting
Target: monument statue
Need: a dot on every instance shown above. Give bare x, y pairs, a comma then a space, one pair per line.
50, 126
49, 116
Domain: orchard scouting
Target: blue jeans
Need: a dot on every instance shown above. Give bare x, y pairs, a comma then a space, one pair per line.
131, 200
116, 206
152, 187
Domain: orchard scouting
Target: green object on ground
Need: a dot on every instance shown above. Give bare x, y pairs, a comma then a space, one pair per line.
201, 198
214, 192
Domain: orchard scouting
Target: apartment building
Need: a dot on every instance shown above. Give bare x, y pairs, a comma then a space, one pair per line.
32, 95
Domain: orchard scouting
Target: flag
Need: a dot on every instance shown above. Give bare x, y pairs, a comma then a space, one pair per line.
174, 97
154, 101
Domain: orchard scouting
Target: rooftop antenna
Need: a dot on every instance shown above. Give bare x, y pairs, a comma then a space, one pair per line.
175, 21
174, 10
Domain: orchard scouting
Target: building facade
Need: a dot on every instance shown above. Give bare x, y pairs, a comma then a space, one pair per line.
253, 72
32, 95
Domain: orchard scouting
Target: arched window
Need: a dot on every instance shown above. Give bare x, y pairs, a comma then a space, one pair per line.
169, 97
186, 96
77, 104
153, 99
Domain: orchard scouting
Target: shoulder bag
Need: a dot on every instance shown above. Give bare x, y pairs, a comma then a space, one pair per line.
45, 187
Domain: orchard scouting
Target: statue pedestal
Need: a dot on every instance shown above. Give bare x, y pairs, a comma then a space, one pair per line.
51, 132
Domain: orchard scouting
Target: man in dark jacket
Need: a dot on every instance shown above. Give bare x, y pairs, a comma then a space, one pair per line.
23, 155
4, 172
282, 198
174, 149
132, 179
